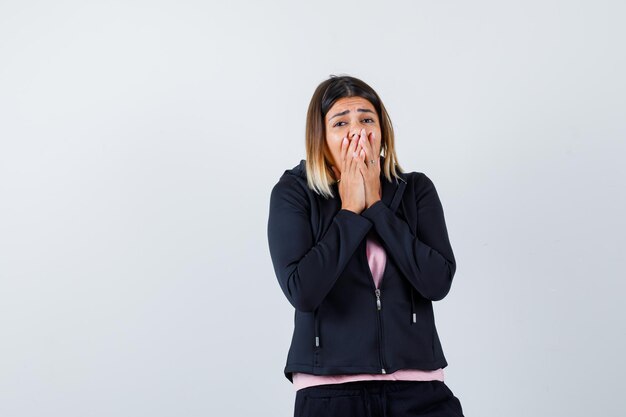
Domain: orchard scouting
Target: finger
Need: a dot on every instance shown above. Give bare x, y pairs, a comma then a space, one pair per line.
358, 159
351, 152
361, 167
352, 156
374, 152
346, 161
375, 149
367, 154
355, 138
372, 139
365, 145
344, 150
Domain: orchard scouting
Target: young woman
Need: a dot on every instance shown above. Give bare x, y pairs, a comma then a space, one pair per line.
361, 250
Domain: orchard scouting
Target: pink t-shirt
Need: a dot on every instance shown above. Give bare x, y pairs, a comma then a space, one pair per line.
376, 258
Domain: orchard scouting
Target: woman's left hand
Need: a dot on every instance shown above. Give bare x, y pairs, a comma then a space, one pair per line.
369, 171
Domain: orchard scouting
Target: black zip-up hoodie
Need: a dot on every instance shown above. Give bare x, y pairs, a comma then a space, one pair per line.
342, 323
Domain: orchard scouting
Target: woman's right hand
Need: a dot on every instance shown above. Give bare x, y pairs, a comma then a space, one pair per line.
351, 186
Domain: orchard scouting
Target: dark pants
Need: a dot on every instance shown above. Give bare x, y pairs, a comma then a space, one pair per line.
378, 398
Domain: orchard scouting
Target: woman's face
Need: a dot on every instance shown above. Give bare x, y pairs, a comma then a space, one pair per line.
345, 119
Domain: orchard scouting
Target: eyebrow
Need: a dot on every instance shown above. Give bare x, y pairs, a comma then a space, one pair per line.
348, 111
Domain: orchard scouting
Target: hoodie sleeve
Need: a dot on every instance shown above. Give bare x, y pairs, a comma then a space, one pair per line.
307, 271
427, 259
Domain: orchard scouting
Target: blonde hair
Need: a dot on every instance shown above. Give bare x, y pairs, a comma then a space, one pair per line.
319, 173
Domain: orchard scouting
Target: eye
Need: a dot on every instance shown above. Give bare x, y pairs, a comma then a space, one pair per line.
338, 123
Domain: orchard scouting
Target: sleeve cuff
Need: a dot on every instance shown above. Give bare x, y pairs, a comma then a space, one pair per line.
352, 217
372, 211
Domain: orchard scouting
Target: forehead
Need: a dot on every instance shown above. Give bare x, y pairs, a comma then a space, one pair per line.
350, 103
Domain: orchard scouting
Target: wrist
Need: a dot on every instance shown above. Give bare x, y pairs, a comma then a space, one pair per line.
372, 202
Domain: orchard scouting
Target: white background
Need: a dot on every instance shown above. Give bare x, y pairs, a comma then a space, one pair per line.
139, 142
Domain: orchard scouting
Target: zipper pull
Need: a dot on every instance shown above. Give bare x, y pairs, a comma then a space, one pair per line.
383, 371
378, 298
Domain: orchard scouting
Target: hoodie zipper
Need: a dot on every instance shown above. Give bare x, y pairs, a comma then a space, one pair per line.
377, 294
380, 332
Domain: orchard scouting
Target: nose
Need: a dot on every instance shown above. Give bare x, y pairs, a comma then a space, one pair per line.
354, 130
